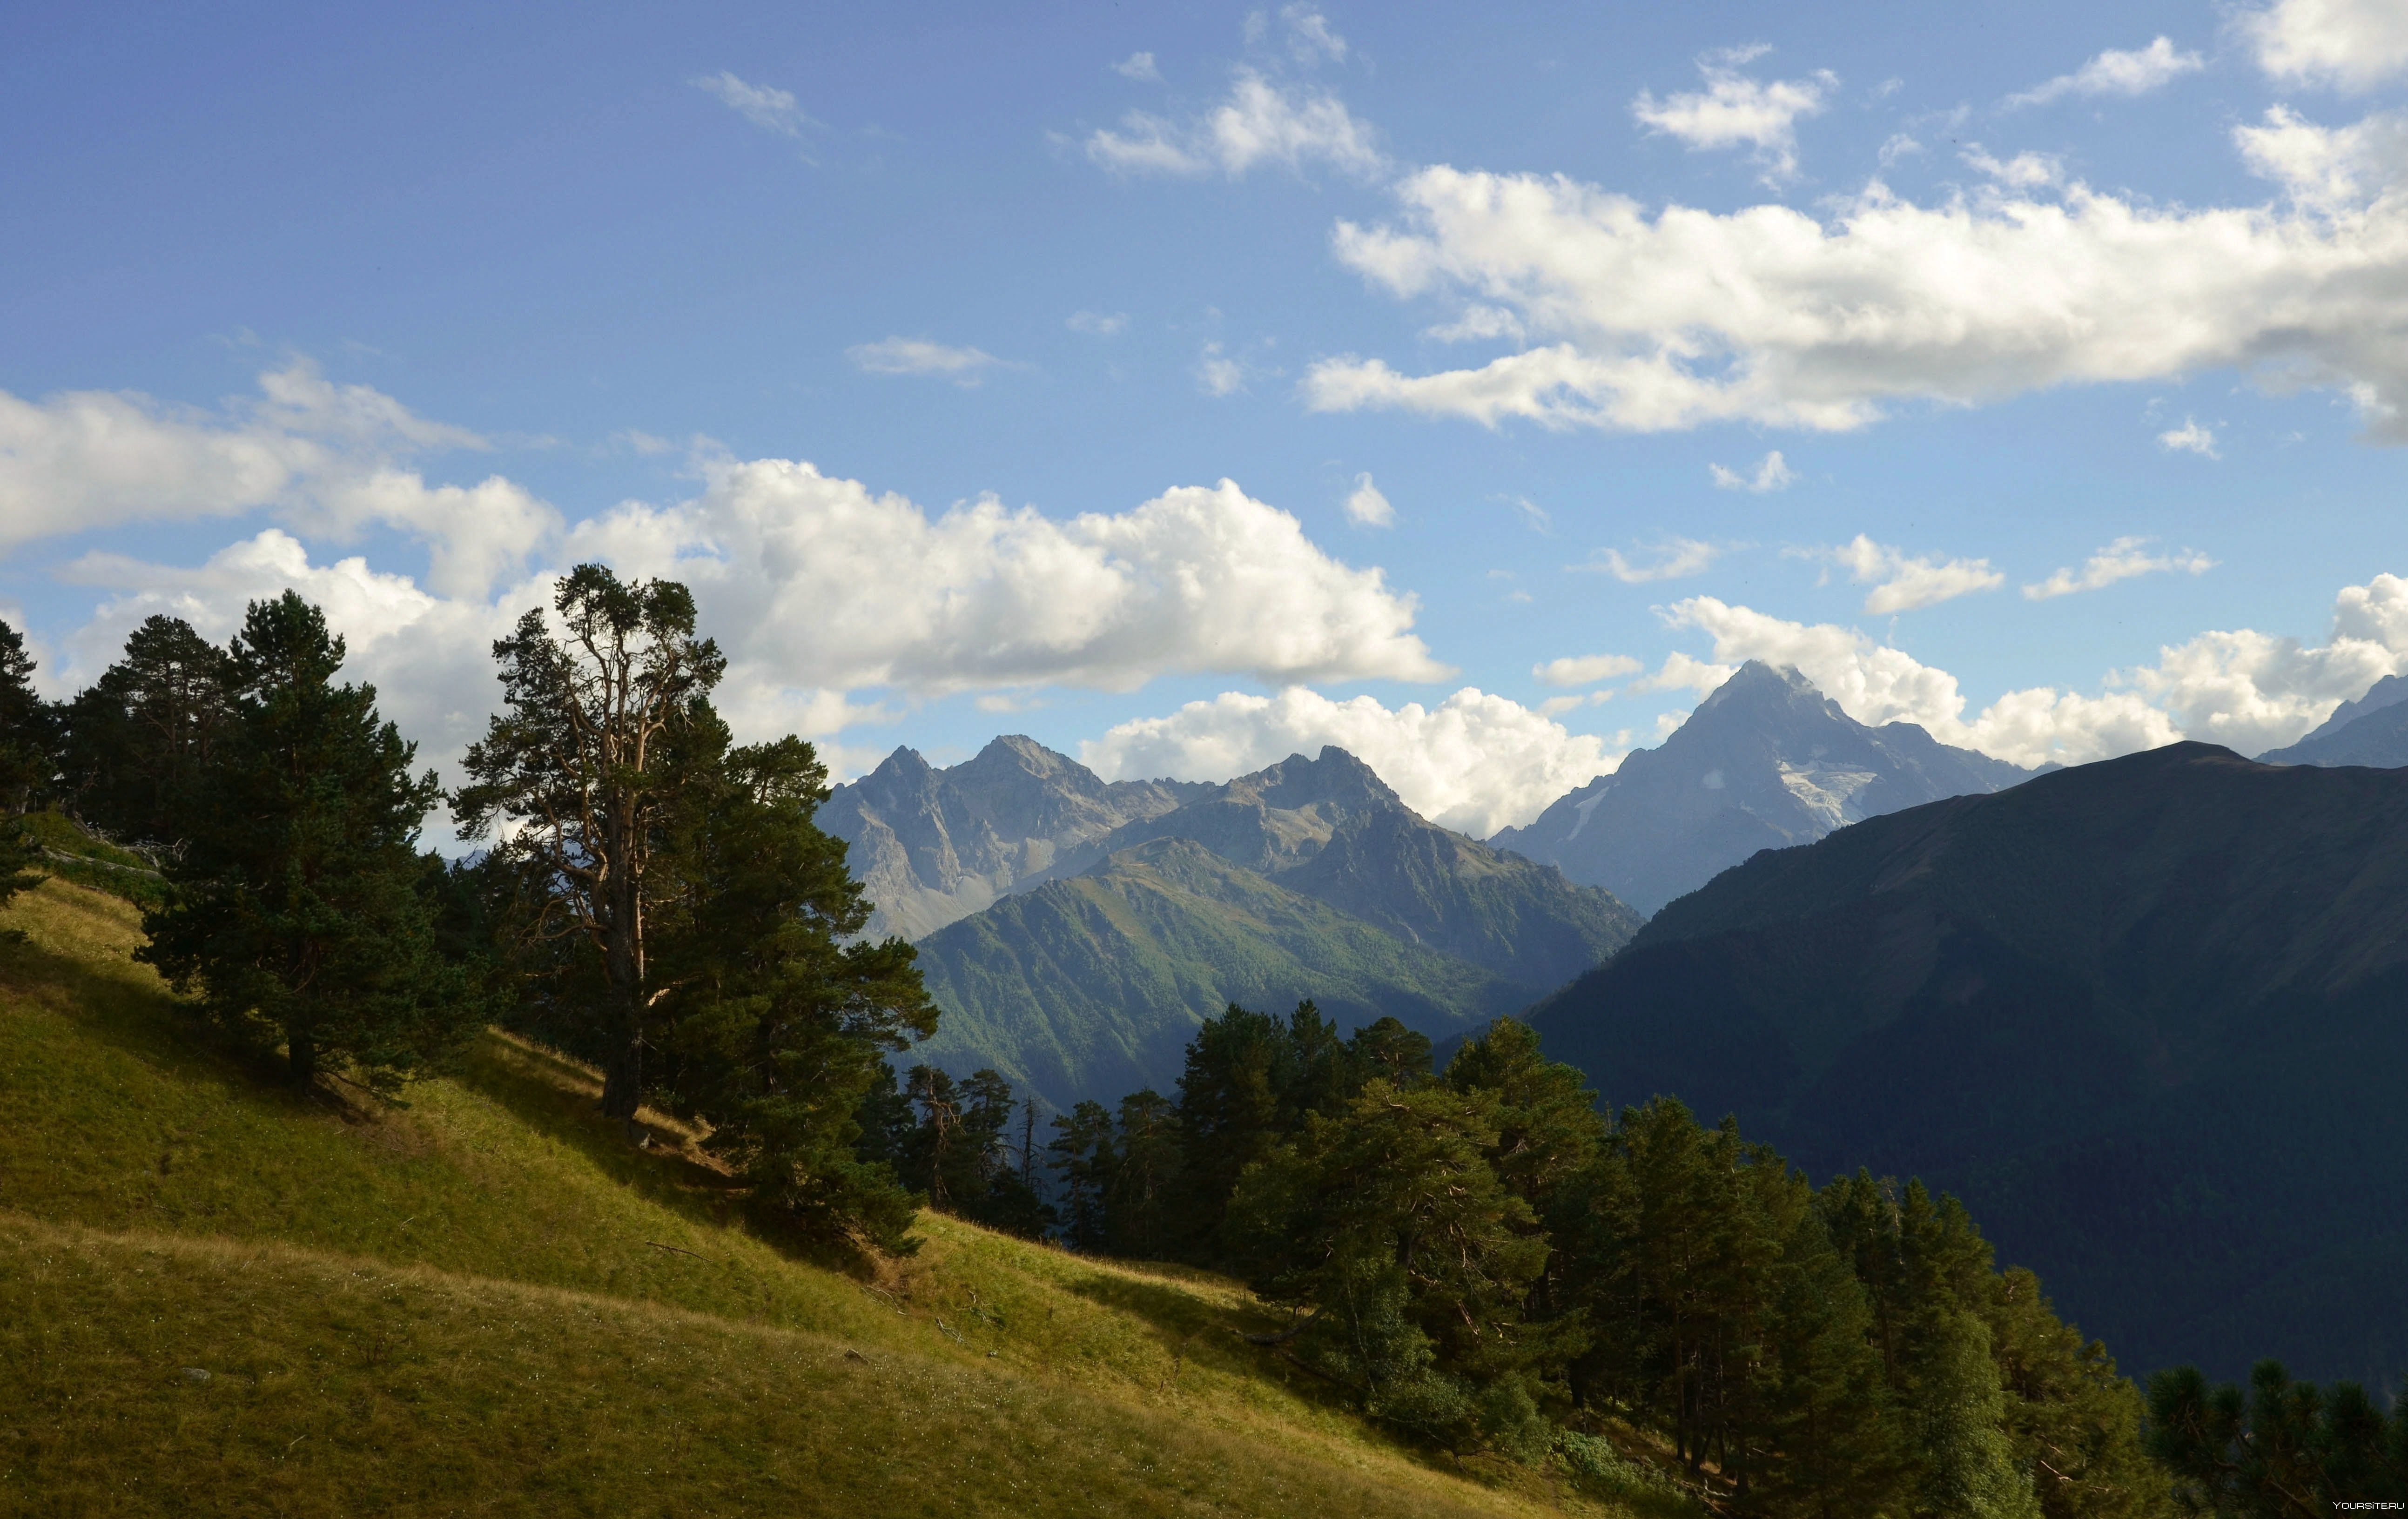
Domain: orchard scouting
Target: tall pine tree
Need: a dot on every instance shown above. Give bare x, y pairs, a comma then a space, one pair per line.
296, 912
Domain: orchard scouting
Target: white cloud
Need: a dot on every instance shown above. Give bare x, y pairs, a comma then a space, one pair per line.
1478, 324
815, 582
769, 108
1309, 35
2135, 72
1367, 507
1585, 669
1898, 145
2025, 171
2326, 169
1098, 323
1259, 123
1217, 374
1137, 65
323, 458
2246, 690
1736, 111
964, 366
2119, 561
1475, 763
1682, 672
1772, 473
1903, 584
2352, 44
2190, 437
1677, 559
1684, 317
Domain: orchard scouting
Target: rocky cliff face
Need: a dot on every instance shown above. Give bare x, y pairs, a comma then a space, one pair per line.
1765, 762
934, 846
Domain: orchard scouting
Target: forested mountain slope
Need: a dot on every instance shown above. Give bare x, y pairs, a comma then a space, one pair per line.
1307, 880
1765, 762
1091, 987
2149, 1017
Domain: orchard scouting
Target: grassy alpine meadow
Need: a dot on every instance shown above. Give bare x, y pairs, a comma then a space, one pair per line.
219, 1298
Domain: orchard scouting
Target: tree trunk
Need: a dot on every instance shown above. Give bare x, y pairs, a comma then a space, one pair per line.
301, 1057
622, 1083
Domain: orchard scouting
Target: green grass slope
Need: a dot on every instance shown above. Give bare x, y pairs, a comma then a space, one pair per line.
217, 1297
1091, 986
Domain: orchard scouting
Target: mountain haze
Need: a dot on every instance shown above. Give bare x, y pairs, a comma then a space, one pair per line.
1765, 762
2148, 1017
1308, 879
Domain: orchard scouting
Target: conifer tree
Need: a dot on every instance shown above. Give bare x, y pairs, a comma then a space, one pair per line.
140, 741
25, 763
296, 911
1145, 1168
778, 1016
605, 741
1080, 1154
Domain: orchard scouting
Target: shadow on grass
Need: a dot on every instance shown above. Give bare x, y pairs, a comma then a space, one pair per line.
1191, 1328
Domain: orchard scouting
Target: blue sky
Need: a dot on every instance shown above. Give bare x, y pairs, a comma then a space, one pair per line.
411, 309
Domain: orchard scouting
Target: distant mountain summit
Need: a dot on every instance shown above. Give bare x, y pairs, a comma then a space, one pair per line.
1765, 762
934, 846
2372, 731
2149, 1017
1308, 879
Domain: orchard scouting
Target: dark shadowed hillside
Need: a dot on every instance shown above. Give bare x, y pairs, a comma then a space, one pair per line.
2149, 1017
1765, 762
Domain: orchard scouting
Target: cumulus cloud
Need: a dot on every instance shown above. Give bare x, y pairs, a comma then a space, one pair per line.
2135, 72
2352, 44
2246, 690
1475, 763
1097, 323
1585, 669
1772, 473
964, 366
1672, 320
1367, 507
769, 108
1903, 584
2326, 169
324, 458
2190, 437
2121, 560
813, 581
1137, 65
1676, 559
1260, 123
1734, 110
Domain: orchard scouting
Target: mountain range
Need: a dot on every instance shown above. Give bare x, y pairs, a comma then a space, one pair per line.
2372, 730
2149, 1018
1098, 949
1765, 762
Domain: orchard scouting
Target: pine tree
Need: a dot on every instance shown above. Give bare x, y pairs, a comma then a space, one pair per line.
296, 912
140, 741
604, 743
777, 1016
1082, 1156
25, 744
1145, 1170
